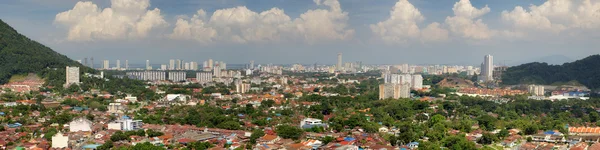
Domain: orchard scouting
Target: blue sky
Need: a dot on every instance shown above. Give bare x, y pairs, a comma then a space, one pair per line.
307, 31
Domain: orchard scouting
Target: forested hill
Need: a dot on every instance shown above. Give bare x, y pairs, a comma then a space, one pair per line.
20, 55
585, 71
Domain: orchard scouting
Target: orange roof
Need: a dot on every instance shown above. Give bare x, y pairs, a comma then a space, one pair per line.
269, 137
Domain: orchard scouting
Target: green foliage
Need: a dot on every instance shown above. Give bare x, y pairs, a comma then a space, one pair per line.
458, 142
21, 55
119, 136
146, 146
488, 138
585, 71
289, 132
49, 133
229, 125
152, 133
200, 145
255, 135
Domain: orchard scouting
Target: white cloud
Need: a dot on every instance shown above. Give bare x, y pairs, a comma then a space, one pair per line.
125, 19
555, 16
465, 24
241, 25
402, 26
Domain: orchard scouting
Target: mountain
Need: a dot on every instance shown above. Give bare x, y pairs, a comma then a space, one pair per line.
585, 71
21, 55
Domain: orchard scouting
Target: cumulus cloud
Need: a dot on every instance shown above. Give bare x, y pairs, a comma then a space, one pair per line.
465, 22
241, 25
124, 19
555, 16
402, 26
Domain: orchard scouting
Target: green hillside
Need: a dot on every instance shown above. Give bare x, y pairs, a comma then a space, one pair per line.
585, 71
21, 55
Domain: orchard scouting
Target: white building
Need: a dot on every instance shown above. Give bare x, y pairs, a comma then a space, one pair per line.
311, 122
118, 64
148, 66
147, 75
176, 97
487, 69
204, 77
417, 81
80, 124
125, 124
106, 65
60, 141
131, 98
536, 90
171, 64
338, 66
394, 90
116, 108
72, 76
242, 87
177, 76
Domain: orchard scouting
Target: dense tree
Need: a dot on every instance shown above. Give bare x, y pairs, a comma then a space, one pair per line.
289, 132
255, 135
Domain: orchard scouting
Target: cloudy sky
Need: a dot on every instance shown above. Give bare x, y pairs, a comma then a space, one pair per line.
312, 31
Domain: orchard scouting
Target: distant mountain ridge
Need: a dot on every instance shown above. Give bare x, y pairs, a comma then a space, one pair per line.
21, 55
585, 71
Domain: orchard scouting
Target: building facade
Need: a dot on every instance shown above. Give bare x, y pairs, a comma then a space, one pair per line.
177, 76
72, 76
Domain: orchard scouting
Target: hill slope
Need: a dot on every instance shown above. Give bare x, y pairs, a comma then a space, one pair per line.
21, 55
586, 71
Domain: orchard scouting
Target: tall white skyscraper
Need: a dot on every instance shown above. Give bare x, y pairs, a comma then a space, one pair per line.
72, 76
178, 64
163, 67
126, 64
106, 65
118, 64
171, 64
148, 67
252, 64
417, 81
339, 62
210, 63
487, 68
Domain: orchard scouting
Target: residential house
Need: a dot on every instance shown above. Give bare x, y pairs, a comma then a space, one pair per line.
60, 141
80, 124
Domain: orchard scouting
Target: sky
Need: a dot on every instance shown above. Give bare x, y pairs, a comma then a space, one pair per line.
312, 31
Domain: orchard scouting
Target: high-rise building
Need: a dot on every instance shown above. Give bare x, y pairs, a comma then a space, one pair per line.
417, 81
148, 66
186, 66
118, 64
92, 63
339, 62
171, 64
163, 67
393, 90
210, 63
72, 76
487, 69
536, 90
204, 77
126, 64
106, 65
217, 71
251, 64
177, 76
178, 64
147, 75
85, 62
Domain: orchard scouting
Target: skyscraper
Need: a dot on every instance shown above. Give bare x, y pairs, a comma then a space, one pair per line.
210, 63
339, 62
171, 64
148, 67
106, 65
487, 68
126, 64
118, 64
92, 63
72, 76
178, 64
251, 64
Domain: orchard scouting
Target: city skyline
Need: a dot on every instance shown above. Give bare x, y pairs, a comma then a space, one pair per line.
430, 32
